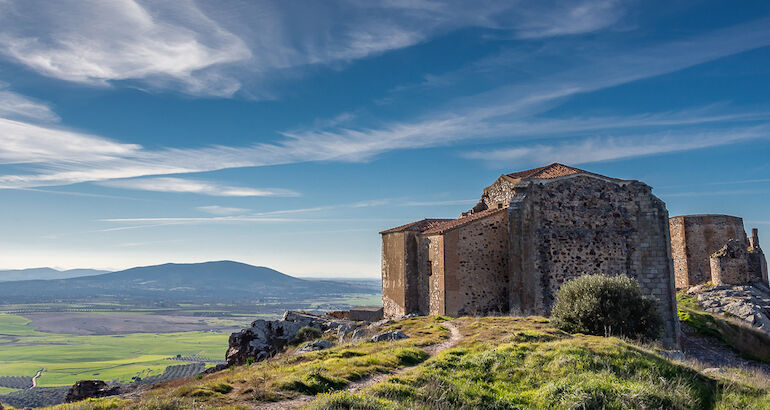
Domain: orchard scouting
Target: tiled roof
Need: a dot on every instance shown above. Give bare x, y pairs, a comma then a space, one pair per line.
420, 226
456, 223
554, 170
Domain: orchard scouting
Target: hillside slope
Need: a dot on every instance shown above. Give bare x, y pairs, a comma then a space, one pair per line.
500, 362
45, 274
222, 279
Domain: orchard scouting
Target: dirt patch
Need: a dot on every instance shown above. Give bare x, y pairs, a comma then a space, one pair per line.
117, 323
713, 353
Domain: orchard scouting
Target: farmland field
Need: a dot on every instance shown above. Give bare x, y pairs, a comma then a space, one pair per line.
118, 340
68, 358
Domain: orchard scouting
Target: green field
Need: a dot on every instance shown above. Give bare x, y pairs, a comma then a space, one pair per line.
69, 358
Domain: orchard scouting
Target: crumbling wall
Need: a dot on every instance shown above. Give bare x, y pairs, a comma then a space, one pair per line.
498, 194
757, 260
730, 264
570, 226
694, 238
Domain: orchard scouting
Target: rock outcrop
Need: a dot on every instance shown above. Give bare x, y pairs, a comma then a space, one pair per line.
265, 338
387, 336
315, 346
86, 389
749, 303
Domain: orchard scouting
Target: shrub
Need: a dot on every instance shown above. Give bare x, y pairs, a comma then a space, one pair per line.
604, 306
306, 333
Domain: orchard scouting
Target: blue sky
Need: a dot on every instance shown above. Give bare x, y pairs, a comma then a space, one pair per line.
287, 134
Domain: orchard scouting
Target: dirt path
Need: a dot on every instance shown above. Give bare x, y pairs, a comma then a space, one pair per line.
34, 379
432, 350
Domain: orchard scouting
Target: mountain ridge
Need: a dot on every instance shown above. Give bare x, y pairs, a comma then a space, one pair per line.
46, 273
213, 279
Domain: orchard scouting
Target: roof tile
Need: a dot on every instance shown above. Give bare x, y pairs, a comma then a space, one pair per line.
420, 226
456, 223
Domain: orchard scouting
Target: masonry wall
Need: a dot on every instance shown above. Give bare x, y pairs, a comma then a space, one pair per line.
679, 252
694, 238
730, 269
567, 227
499, 193
436, 300
393, 278
477, 267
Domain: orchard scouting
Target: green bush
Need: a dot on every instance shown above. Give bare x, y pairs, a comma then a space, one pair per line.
306, 333
606, 306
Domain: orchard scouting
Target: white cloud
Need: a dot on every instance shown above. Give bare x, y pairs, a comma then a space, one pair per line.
21, 142
214, 48
59, 157
221, 210
192, 186
14, 105
97, 41
604, 149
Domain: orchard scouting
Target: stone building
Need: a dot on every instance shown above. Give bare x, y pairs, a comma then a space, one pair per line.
530, 232
715, 248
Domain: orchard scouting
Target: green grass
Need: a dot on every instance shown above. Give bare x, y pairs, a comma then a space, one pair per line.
69, 358
5, 390
511, 363
289, 375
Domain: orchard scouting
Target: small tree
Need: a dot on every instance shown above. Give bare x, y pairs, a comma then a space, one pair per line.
606, 306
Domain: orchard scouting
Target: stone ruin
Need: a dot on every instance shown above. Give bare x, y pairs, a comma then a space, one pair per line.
715, 248
531, 231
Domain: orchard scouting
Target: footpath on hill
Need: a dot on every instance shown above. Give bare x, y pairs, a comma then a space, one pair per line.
432, 351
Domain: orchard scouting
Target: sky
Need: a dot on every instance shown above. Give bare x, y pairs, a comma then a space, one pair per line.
288, 134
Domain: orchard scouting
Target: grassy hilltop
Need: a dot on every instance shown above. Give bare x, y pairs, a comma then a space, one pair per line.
499, 362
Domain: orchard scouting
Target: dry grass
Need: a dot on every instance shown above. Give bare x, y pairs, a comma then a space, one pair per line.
288, 375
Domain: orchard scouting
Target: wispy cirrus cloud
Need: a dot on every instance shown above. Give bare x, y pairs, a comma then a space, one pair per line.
95, 42
222, 210
194, 186
16, 106
510, 113
218, 48
611, 148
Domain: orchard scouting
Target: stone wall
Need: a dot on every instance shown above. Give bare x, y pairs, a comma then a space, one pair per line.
479, 273
436, 299
730, 265
393, 270
499, 193
694, 238
757, 260
567, 227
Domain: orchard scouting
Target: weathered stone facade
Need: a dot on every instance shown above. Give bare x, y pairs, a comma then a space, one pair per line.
530, 232
579, 224
469, 265
730, 265
694, 238
715, 248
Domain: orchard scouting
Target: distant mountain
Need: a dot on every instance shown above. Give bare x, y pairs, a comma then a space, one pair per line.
46, 273
223, 280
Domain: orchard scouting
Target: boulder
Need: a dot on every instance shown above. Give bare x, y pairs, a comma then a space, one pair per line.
217, 368
748, 303
85, 389
359, 334
392, 335
315, 346
265, 338
380, 323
